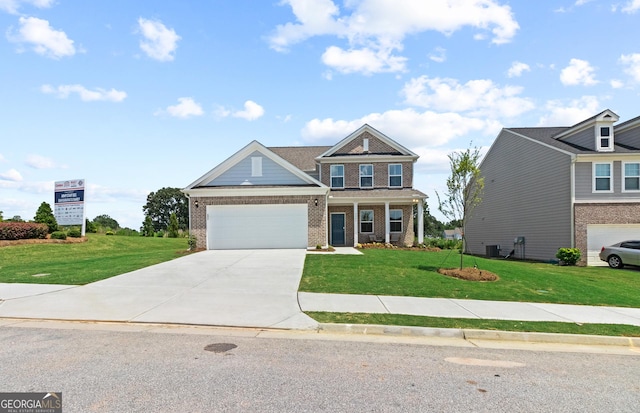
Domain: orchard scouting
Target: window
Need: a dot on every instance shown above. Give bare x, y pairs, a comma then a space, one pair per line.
602, 177
395, 220
632, 177
366, 221
337, 176
366, 176
395, 175
605, 139
256, 166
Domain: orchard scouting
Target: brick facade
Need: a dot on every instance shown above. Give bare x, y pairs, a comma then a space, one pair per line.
380, 174
379, 223
376, 146
317, 227
585, 214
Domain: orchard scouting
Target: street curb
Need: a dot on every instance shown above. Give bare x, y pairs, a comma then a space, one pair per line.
470, 335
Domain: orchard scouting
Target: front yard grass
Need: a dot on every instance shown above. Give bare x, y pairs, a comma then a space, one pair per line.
413, 273
98, 258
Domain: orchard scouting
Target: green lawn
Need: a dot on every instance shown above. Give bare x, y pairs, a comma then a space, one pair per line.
99, 258
413, 273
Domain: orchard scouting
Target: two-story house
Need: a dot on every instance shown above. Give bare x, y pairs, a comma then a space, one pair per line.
553, 187
357, 191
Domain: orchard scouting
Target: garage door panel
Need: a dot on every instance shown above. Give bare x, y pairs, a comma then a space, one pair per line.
599, 235
257, 226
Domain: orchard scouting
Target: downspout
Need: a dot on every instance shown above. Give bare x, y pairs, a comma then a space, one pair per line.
574, 158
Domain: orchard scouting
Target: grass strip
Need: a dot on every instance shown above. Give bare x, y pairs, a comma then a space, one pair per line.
616, 330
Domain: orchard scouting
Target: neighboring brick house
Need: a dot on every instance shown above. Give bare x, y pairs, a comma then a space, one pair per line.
357, 191
553, 187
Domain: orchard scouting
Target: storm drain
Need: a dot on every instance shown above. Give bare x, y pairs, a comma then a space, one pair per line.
220, 347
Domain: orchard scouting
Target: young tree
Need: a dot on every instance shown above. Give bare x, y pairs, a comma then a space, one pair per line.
465, 186
173, 226
44, 215
162, 203
147, 227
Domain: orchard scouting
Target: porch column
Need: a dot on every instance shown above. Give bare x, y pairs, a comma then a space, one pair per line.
387, 224
420, 221
356, 218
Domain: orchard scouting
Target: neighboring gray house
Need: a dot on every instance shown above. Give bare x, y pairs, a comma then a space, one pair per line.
357, 191
553, 187
453, 234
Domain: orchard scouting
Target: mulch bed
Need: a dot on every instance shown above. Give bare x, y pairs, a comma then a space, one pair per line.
7, 243
468, 274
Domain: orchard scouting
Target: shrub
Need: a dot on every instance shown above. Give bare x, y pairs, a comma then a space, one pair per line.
128, 232
44, 215
58, 235
74, 233
568, 255
108, 232
192, 241
22, 230
160, 234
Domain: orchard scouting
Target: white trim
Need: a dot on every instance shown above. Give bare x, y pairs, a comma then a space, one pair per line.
256, 191
367, 158
598, 133
585, 124
331, 176
372, 131
344, 230
256, 166
624, 177
360, 176
593, 177
389, 175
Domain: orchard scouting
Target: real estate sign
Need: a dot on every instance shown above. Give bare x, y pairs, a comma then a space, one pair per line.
69, 202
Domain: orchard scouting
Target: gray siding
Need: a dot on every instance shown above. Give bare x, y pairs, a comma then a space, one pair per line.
585, 139
527, 193
584, 184
272, 174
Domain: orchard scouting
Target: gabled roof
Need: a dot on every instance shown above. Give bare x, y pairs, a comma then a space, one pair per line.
303, 157
242, 154
605, 115
366, 128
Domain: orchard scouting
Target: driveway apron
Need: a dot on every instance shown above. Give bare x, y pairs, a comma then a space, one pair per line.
243, 288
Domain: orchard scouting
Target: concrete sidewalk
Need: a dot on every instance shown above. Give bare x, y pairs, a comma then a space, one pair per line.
478, 309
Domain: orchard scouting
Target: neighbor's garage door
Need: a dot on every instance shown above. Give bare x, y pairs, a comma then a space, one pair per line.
256, 226
601, 235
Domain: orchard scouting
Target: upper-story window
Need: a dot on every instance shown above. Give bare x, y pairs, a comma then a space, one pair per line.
337, 176
395, 175
605, 140
256, 166
631, 176
366, 176
602, 177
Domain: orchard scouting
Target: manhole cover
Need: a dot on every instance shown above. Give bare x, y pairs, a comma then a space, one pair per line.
220, 347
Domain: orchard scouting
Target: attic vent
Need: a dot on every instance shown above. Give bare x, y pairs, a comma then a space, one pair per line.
256, 166
365, 144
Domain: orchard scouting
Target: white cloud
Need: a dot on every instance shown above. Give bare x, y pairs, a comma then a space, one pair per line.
12, 6
252, 111
99, 94
375, 30
11, 175
631, 6
159, 43
631, 63
478, 97
99, 193
517, 68
616, 83
561, 114
40, 162
44, 39
416, 129
1, 158
439, 55
579, 72
185, 108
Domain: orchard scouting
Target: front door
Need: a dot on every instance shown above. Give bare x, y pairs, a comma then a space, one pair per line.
337, 229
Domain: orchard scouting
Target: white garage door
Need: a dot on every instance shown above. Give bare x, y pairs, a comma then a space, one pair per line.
256, 226
601, 235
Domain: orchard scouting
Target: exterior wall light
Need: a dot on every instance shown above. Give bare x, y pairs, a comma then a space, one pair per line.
316, 201
196, 203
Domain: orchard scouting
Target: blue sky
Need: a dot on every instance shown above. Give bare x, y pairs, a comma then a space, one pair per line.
133, 96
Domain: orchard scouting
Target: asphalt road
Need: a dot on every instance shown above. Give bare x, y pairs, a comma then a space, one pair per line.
211, 370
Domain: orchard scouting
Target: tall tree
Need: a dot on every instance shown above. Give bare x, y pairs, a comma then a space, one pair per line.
162, 203
106, 222
44, 215
465, 187
432, 226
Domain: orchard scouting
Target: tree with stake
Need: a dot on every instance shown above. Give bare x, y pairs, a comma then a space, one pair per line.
464, 189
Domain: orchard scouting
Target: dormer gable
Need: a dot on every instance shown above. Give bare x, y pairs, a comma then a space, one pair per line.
595, 133
367, 141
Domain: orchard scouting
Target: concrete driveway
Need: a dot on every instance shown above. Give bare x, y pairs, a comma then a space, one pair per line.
244, 288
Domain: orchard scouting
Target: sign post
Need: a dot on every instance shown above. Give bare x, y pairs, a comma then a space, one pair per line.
69, 203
